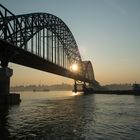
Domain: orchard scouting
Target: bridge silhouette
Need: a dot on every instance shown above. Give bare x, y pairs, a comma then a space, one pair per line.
41, 41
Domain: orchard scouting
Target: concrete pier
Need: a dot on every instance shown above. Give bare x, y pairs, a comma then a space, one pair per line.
5, 96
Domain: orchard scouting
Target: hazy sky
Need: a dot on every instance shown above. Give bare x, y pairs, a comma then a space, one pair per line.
106, 31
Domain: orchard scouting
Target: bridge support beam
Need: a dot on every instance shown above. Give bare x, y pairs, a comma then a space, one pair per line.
5, 96
75, 86
5, 74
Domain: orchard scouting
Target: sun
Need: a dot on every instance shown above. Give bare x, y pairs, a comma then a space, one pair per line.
74, 67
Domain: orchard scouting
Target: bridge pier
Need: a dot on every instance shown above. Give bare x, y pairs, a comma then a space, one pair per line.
75, 86
5, 96
79, 87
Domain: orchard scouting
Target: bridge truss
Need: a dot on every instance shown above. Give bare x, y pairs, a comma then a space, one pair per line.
44, 37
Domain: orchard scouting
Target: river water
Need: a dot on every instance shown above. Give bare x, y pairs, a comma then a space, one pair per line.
60, 115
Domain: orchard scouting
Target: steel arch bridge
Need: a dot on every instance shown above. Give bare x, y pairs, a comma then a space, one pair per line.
41, 41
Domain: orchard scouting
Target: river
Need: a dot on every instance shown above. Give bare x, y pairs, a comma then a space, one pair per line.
60, 115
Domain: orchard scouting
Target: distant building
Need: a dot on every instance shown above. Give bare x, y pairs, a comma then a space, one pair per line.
136, 86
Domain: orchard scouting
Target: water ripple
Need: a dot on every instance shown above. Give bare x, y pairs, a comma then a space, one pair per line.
93, 117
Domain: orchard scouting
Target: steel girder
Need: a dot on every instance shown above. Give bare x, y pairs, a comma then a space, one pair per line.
20, 29
88, 70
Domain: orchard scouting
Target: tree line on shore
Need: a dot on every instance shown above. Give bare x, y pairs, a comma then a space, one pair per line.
64, 86
39, 87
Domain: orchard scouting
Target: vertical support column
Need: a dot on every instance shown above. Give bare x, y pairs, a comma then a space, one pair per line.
44, 43
25, 39
38, 42
5, 97
84, 86
62, 56
58, 60
55, 48
47, 44
52, 45
75, 86
32, 41
5, 74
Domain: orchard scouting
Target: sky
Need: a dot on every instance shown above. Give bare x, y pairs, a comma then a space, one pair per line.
107, 33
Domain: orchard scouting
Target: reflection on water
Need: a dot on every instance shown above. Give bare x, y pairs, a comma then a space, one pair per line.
4, 132
62, 116
76, 93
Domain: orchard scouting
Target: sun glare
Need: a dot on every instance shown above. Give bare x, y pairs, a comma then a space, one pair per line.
75, 93
74, 67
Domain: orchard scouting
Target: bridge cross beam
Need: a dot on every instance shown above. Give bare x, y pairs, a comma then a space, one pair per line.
76, 84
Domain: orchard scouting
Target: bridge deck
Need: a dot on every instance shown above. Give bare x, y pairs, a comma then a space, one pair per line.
25, 58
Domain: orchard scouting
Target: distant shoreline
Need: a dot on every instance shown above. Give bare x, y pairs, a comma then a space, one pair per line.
42, 88
115, 92
36, 90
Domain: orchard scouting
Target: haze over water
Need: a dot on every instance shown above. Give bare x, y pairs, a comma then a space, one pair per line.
63, 116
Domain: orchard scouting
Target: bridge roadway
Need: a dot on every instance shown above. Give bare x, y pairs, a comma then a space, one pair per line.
19, 56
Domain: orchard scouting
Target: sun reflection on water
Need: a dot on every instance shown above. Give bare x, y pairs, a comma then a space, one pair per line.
75, 93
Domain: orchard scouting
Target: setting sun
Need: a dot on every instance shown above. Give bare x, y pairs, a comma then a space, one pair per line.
74, 67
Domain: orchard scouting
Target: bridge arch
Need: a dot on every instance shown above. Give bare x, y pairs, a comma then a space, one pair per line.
45, 36
88, 70
47, 30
